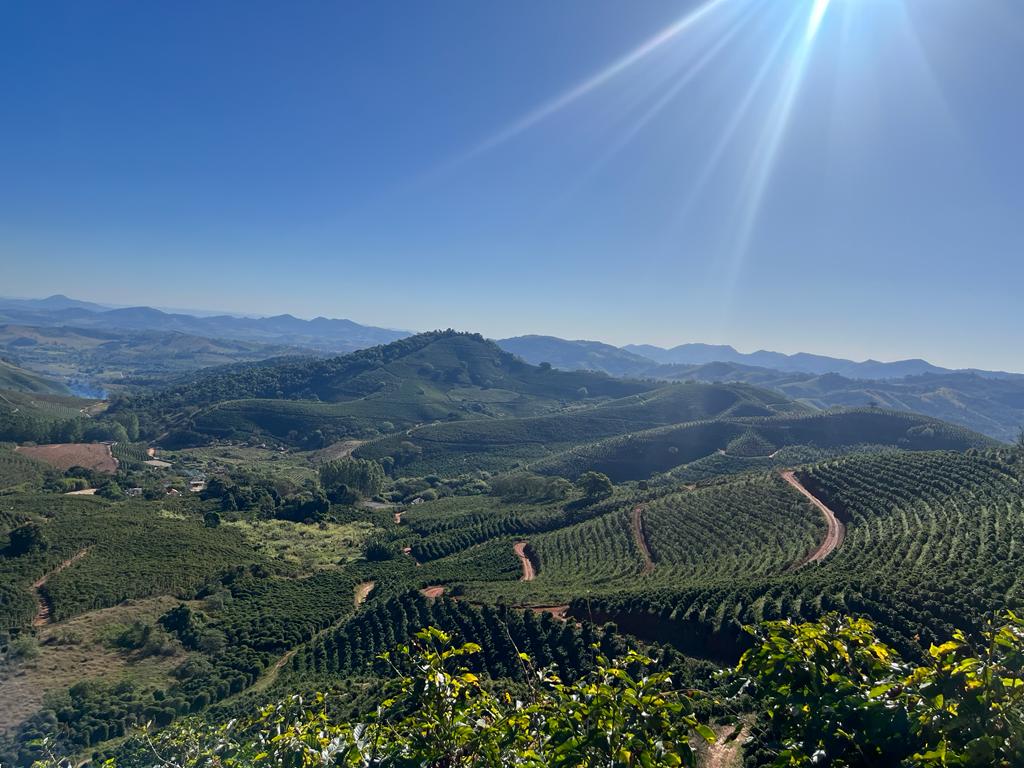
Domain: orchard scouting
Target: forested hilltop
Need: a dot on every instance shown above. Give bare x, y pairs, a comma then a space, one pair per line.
432, 530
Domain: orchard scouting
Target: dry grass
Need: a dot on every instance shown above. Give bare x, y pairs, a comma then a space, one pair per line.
63, 456
76, 650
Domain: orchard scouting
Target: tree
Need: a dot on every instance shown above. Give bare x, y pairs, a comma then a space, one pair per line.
343, 477
111, 491
378, 548
130, 422
27, 538
211, 520
595, 485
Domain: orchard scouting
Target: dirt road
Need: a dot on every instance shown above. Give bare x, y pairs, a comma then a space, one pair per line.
641, 540
43, 611
836, 530
528, 572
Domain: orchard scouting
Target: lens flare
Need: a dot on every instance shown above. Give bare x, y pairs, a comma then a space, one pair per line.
594, 82
817, 16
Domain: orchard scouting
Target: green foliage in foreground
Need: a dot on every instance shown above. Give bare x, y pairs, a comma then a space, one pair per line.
832, 694
440, 714
826, 693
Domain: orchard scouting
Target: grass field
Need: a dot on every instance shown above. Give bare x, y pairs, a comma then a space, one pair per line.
293, 467
309, 547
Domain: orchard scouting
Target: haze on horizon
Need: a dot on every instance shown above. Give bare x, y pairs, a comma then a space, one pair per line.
832, 177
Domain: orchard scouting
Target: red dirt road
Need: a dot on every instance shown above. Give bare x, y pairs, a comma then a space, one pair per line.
836, 530
43, 612
63, 456
528, 572
641, 540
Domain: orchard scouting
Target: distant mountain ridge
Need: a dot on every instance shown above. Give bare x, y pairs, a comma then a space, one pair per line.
801, 362
321, 334
989, 402
643, 359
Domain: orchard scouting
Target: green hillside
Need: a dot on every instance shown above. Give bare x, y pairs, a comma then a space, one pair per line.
931, 544
433, 376
20, 380
499, 444
638, 456
284, 567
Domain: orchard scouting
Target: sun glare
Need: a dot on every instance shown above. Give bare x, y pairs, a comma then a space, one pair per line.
817, 16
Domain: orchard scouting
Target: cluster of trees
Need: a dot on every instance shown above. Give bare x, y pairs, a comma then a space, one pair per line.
347, 480
525, 486
25, 426
432, 487
263, 496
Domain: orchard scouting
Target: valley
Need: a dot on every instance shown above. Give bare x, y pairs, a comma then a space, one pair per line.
262, 529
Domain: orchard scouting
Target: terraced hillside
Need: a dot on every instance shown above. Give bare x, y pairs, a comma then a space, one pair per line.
499, 444
637, 456
699, 534
932, 543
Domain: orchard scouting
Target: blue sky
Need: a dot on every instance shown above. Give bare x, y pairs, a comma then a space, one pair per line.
661, 172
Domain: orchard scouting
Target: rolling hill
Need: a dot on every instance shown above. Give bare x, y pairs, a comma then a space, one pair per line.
501, 444
435, 376
640, 455
989, 402
15, 378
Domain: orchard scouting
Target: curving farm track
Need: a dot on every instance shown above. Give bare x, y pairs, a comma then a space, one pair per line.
528, 571
836, 532
637, 518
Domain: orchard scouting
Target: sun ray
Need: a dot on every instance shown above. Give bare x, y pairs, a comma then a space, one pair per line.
738, 115
669, 95
766, 152
591, 84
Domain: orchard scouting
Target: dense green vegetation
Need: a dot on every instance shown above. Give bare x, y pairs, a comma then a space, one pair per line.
123, 550
19, 470
637, 456
432, 376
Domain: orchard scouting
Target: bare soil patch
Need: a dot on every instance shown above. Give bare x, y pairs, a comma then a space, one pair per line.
340, 450
528, 570
363, 591
727, 751
559, 612
836, 531
432, 592
95, 456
